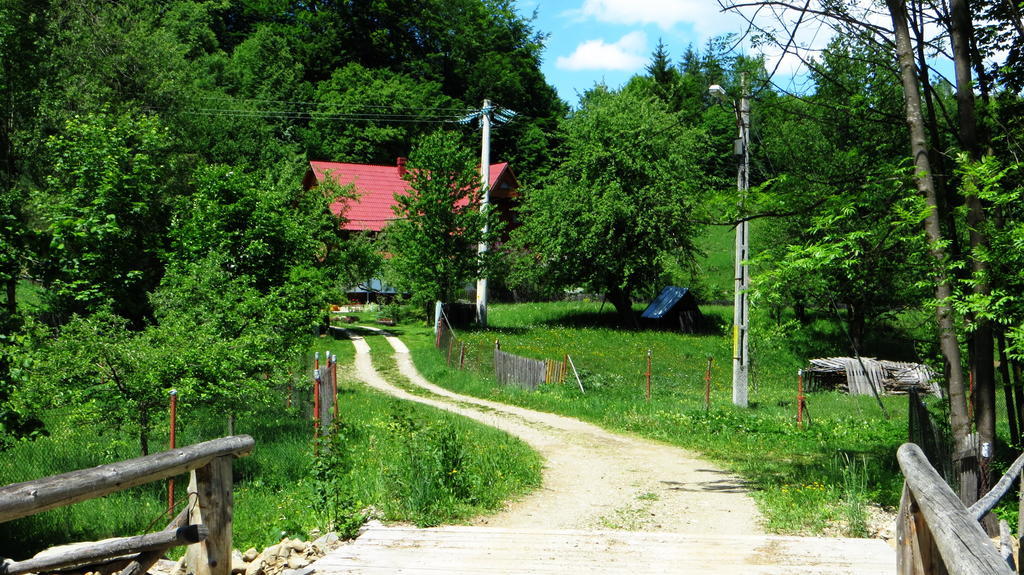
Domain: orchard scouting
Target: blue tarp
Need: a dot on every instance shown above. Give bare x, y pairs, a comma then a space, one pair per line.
669, 297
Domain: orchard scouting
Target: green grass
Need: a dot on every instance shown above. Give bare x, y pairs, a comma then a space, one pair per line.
398, 461
807, 481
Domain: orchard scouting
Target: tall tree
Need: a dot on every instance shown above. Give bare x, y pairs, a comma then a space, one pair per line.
434, 240
948, 342
105, 210
665, 76
621, 202
356, 112
982, 350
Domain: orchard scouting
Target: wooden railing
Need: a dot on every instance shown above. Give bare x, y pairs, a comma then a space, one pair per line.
204, 525
936, 533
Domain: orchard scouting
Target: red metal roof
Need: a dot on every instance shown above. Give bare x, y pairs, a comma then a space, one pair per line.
376, 187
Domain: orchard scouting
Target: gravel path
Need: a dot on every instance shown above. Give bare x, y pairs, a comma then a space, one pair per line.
592, 478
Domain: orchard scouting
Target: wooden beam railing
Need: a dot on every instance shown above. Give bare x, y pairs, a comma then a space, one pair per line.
935, 532
209, 537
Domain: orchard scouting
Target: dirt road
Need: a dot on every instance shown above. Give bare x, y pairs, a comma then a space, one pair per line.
592, 478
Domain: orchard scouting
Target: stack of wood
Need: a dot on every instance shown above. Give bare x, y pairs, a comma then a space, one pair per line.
867, 375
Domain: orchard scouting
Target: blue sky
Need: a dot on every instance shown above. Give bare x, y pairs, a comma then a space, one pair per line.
593, 41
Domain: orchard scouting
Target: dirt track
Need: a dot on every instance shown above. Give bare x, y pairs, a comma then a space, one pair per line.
592, 478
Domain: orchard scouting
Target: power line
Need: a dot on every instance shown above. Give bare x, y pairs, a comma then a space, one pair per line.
320, 111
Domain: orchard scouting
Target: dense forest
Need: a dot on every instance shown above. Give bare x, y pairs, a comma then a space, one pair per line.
153, 228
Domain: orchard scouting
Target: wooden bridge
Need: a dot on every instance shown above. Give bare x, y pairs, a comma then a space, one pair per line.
469, 550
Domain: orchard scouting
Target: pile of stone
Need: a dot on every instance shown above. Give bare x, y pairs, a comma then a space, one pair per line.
289, 557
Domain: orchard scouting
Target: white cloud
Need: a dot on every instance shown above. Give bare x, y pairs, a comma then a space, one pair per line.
703, 15
628, 54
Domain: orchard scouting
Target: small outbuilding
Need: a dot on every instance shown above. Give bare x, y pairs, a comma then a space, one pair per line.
372, 291
674, 308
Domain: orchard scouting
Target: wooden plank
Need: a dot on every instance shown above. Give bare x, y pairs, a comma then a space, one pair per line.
906, 537
89, 553
916, 553
962, 543
212, 488
479, 550
31, 497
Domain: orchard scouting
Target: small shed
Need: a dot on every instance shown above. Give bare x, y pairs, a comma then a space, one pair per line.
860, 376
373, 291
674, 307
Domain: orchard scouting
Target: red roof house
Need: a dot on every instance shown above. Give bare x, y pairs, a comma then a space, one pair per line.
376, 187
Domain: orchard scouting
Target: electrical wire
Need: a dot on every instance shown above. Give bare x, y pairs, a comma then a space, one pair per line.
313, 111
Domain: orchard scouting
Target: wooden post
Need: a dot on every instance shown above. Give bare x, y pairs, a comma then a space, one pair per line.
316, 402
462, 354
334, 382
1020, 527
170, 482
800, 398
212, 487
648, 375
916, 552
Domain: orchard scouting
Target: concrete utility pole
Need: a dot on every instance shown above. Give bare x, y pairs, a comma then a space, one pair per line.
741, 303
485, 172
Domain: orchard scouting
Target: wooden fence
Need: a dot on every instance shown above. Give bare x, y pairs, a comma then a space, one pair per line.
922, 430
525, 372
936, 533
204, 525
509, 369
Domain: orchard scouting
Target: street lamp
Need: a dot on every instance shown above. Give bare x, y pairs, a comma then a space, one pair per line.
741, 303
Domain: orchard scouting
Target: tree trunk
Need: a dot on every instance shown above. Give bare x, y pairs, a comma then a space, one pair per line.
144, 430
623, 303
959, 422
856, 319
947, 198
12, 295
983, 350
